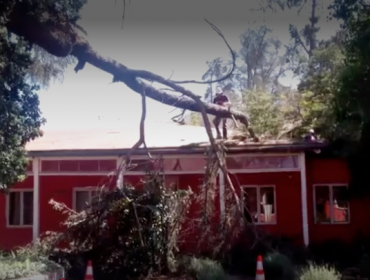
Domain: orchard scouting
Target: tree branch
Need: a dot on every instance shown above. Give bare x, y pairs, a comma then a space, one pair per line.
225, 77
61, 42
298, 39
141, 140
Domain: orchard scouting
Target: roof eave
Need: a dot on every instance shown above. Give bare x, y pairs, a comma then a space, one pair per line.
252, 148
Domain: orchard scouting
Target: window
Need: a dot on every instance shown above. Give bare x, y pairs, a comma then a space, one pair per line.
141, 165
263, 162
84, 197
20, 208
78, 165
174, 165
184, 164
331, 204
260, 204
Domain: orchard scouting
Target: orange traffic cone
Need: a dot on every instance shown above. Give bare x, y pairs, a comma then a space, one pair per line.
260, 274
89, 271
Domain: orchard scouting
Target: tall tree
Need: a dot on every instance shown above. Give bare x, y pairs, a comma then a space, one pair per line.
263, 63
304, 41
321, 77
352, 93
20, 117
261, 66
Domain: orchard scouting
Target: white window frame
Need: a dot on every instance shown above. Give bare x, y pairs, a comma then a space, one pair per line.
169, 172
265, 170
89, 189
258, 188
21, 225
331, 199
69, 173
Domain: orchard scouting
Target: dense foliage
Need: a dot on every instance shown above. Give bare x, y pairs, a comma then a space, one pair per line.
23, 69
353, 83
20, 117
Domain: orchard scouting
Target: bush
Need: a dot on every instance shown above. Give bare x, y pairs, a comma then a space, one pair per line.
25, 262
132, 232
336, 253
364, 266
315, 272
241, 258
202, 269
278, 266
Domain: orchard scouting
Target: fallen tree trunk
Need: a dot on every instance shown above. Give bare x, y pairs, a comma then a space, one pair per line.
62, 39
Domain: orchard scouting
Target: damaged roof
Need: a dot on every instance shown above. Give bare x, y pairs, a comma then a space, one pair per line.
160, 137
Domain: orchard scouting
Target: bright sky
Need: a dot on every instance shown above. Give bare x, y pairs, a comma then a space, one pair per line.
162, 36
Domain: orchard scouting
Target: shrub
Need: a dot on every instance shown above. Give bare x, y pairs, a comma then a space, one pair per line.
202, 269
278, 266
315, 272
336, 253
25, 262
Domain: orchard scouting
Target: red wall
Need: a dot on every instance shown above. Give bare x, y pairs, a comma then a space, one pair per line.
288, 201
60, 188
12, 237
331, 171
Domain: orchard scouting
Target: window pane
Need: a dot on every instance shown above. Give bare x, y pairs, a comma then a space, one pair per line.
107, 165
50, 165
340, 204
143, 165
267, 205
250, 203
15, 208
28, 208
322, 204
82, 199
184, 164
262, 162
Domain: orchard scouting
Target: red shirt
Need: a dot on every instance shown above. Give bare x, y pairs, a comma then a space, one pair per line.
220, 99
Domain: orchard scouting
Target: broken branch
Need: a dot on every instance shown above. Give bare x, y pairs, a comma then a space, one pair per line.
141, 140
47, 37
228, 74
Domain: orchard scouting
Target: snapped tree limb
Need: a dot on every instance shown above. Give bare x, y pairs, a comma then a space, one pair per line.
62, 40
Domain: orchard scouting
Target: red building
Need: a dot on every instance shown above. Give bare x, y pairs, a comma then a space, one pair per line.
292, 190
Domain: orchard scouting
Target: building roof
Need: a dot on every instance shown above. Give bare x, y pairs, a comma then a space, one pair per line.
169, 137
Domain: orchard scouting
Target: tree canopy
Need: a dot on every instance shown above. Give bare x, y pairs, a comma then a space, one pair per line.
20, 117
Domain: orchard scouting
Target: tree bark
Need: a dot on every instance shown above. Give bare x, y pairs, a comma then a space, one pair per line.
62, 39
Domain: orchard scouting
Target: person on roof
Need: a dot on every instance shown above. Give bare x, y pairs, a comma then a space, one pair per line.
311, 136
222, 100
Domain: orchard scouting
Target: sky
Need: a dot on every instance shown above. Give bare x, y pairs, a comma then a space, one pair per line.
166, 37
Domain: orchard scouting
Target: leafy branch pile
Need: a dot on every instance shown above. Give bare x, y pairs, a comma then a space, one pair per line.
143, 230
132, 229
